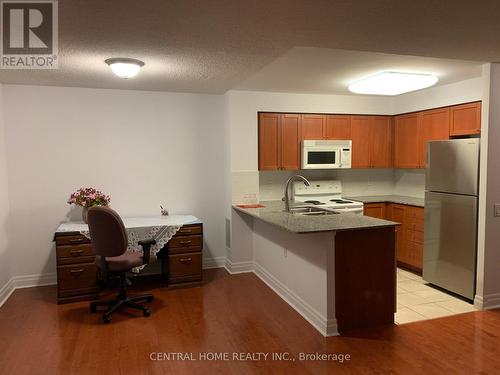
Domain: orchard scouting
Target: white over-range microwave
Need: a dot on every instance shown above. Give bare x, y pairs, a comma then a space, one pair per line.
324, 154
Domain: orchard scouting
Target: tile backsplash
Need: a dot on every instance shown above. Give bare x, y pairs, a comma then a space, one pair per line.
354, 181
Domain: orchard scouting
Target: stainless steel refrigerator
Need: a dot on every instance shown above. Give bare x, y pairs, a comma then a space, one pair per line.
450, 225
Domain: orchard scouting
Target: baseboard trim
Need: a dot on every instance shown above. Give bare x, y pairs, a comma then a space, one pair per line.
327, 327
217, 262
6, 291
239, 267
26, 281
487, 302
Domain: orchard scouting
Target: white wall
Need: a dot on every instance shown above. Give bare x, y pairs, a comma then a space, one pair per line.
488, 293
454, 93
143, 148
5, 271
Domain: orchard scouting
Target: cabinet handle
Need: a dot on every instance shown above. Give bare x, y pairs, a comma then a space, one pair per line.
76, 252
186, 230
79, 240
185, 260
80, 270
187, 242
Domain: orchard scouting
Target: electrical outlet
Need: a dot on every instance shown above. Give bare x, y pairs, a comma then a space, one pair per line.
496, 209
285, 252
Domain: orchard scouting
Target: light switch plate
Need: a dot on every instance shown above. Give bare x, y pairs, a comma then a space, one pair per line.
496, 209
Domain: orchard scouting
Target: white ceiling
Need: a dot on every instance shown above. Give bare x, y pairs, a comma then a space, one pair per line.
212, 46
329, 71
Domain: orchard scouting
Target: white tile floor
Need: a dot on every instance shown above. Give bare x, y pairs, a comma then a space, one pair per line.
419, 301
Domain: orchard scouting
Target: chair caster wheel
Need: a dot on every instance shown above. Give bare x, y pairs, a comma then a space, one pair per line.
149, 299
106, 319
93, 308
147, 312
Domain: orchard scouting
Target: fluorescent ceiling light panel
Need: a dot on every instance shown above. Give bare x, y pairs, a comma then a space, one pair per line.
392, 83
125, 67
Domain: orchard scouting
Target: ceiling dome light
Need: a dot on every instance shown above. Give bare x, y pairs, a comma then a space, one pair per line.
392, 83
125, 67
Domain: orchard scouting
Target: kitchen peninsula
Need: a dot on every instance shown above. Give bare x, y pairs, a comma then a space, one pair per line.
337, 270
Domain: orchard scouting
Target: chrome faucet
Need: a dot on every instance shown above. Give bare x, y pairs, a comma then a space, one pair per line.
287, 187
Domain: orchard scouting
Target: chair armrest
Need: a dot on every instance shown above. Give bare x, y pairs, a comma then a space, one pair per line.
146, 248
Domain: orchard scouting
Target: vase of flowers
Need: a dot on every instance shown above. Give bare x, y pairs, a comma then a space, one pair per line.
88, 197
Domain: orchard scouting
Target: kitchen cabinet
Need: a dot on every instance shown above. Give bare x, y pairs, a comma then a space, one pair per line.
434, 126
465, 119
375, 210
360, 135
371, 141
406, 140
381, 142
279, 141
290, 141
409, 235
313, 126
338, 127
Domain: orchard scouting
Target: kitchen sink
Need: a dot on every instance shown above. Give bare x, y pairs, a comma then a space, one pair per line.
311, 211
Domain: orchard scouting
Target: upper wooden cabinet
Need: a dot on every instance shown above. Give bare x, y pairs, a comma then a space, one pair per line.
313, 126
279, 141
434, 126
360, 135
338, 127
290, 141
269, 129
465, 119
371, 141
406, 141
381, 153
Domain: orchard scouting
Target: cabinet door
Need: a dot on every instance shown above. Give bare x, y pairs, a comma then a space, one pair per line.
381, 142
433, 127
338, 127
397, 214
465, 119
269, 134
313, 126
406, 141
360, 135
290, 141
374, 210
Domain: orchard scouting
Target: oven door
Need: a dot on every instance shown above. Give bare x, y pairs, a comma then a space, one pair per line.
320, 158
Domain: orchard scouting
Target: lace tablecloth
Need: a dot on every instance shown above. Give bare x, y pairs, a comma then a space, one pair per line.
161, 228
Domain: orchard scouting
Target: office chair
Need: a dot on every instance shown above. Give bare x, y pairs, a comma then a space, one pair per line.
109, 241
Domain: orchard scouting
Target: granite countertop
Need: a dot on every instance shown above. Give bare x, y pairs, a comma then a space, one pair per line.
400, 199
273, 213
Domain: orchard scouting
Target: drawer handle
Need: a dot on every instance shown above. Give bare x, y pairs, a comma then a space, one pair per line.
185, 260
79, 240
80, 270
186, 230
187, 242
76, 252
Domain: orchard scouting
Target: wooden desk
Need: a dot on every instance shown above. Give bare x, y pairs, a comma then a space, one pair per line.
77, 278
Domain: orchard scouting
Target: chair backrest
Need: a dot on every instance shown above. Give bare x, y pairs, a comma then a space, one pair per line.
107, 232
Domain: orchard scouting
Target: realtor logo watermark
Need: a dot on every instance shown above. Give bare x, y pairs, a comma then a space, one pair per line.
29, 37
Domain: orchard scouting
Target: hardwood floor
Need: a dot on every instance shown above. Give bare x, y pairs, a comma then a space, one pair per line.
230, 314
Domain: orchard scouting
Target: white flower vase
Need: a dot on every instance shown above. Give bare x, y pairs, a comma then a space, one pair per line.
85, 213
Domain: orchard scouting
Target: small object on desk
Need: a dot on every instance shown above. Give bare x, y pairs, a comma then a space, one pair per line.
164, 211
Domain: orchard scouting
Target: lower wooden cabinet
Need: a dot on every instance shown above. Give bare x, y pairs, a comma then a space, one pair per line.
409, 235
375, 210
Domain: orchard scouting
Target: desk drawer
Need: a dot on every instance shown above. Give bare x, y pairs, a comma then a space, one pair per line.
75, 251
184, 267
77, 276
78, 239
187, 230
185, 244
